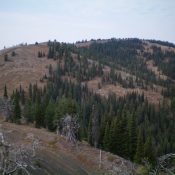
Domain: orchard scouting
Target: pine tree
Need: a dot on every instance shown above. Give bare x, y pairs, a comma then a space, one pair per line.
28, 111
49, 116
132, 137
149, 152
139, 150
50, 70
173, 104
106, 139
123, 137
102, 128
112, 136
22, 97
65, 106
17, 110
30, 91
90, 131
5, 92
95, 126
38, 115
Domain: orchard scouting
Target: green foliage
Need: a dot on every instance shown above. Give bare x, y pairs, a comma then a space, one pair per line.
149, 152
111, 158
139, 149
17, 109
132, 137
141, 170
106, 139
38, 115
49, 116
65, 106
28, 112
173, 104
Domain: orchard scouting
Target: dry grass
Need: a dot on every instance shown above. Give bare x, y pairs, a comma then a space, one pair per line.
149, 45
152, 96
155, 70
111, 158
84, 155
24, 68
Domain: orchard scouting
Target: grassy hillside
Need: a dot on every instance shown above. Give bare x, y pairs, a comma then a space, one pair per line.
122, 91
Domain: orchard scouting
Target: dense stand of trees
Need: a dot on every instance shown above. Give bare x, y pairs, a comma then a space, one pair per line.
165, 60
128, 126
128, 55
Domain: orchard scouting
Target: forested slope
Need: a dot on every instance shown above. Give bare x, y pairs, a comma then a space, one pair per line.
122, 90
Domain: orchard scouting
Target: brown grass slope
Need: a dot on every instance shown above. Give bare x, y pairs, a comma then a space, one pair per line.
24, 68
59, 157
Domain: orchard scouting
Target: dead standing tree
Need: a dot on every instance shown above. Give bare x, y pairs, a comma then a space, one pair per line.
69, 127
16, 157
162, 165
6, 107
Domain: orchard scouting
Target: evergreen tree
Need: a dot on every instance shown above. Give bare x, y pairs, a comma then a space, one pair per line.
112, 135
65, 106
49, 116
22, 96
28, 111
95, 126
30, 91
17, 109
5, 92
139, 150
38, 115
102, 128
106, 139
173, 104
90, 131
132, 137
149, 152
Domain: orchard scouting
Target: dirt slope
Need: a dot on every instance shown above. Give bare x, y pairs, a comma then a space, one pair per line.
59, 157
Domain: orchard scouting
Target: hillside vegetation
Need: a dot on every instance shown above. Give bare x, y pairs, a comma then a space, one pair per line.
123, 91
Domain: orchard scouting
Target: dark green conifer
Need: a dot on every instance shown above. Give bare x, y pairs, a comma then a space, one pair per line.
139, 150
17, 109
5, 92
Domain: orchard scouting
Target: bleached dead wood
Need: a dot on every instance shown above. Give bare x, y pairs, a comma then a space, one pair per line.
162, 165
15, 157
70, 126
6, 107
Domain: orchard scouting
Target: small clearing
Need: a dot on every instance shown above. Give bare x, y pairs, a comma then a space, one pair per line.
155, 69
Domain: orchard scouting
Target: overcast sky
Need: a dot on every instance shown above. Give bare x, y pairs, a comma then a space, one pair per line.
72, 20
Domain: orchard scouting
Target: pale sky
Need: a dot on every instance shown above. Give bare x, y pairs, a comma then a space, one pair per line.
72, 20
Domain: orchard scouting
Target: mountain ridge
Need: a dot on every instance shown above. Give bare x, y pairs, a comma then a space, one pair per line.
122, 91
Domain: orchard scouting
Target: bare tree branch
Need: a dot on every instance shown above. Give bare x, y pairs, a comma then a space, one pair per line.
16, 157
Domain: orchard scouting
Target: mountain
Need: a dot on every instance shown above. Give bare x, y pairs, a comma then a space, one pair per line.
25, 67
121, 90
